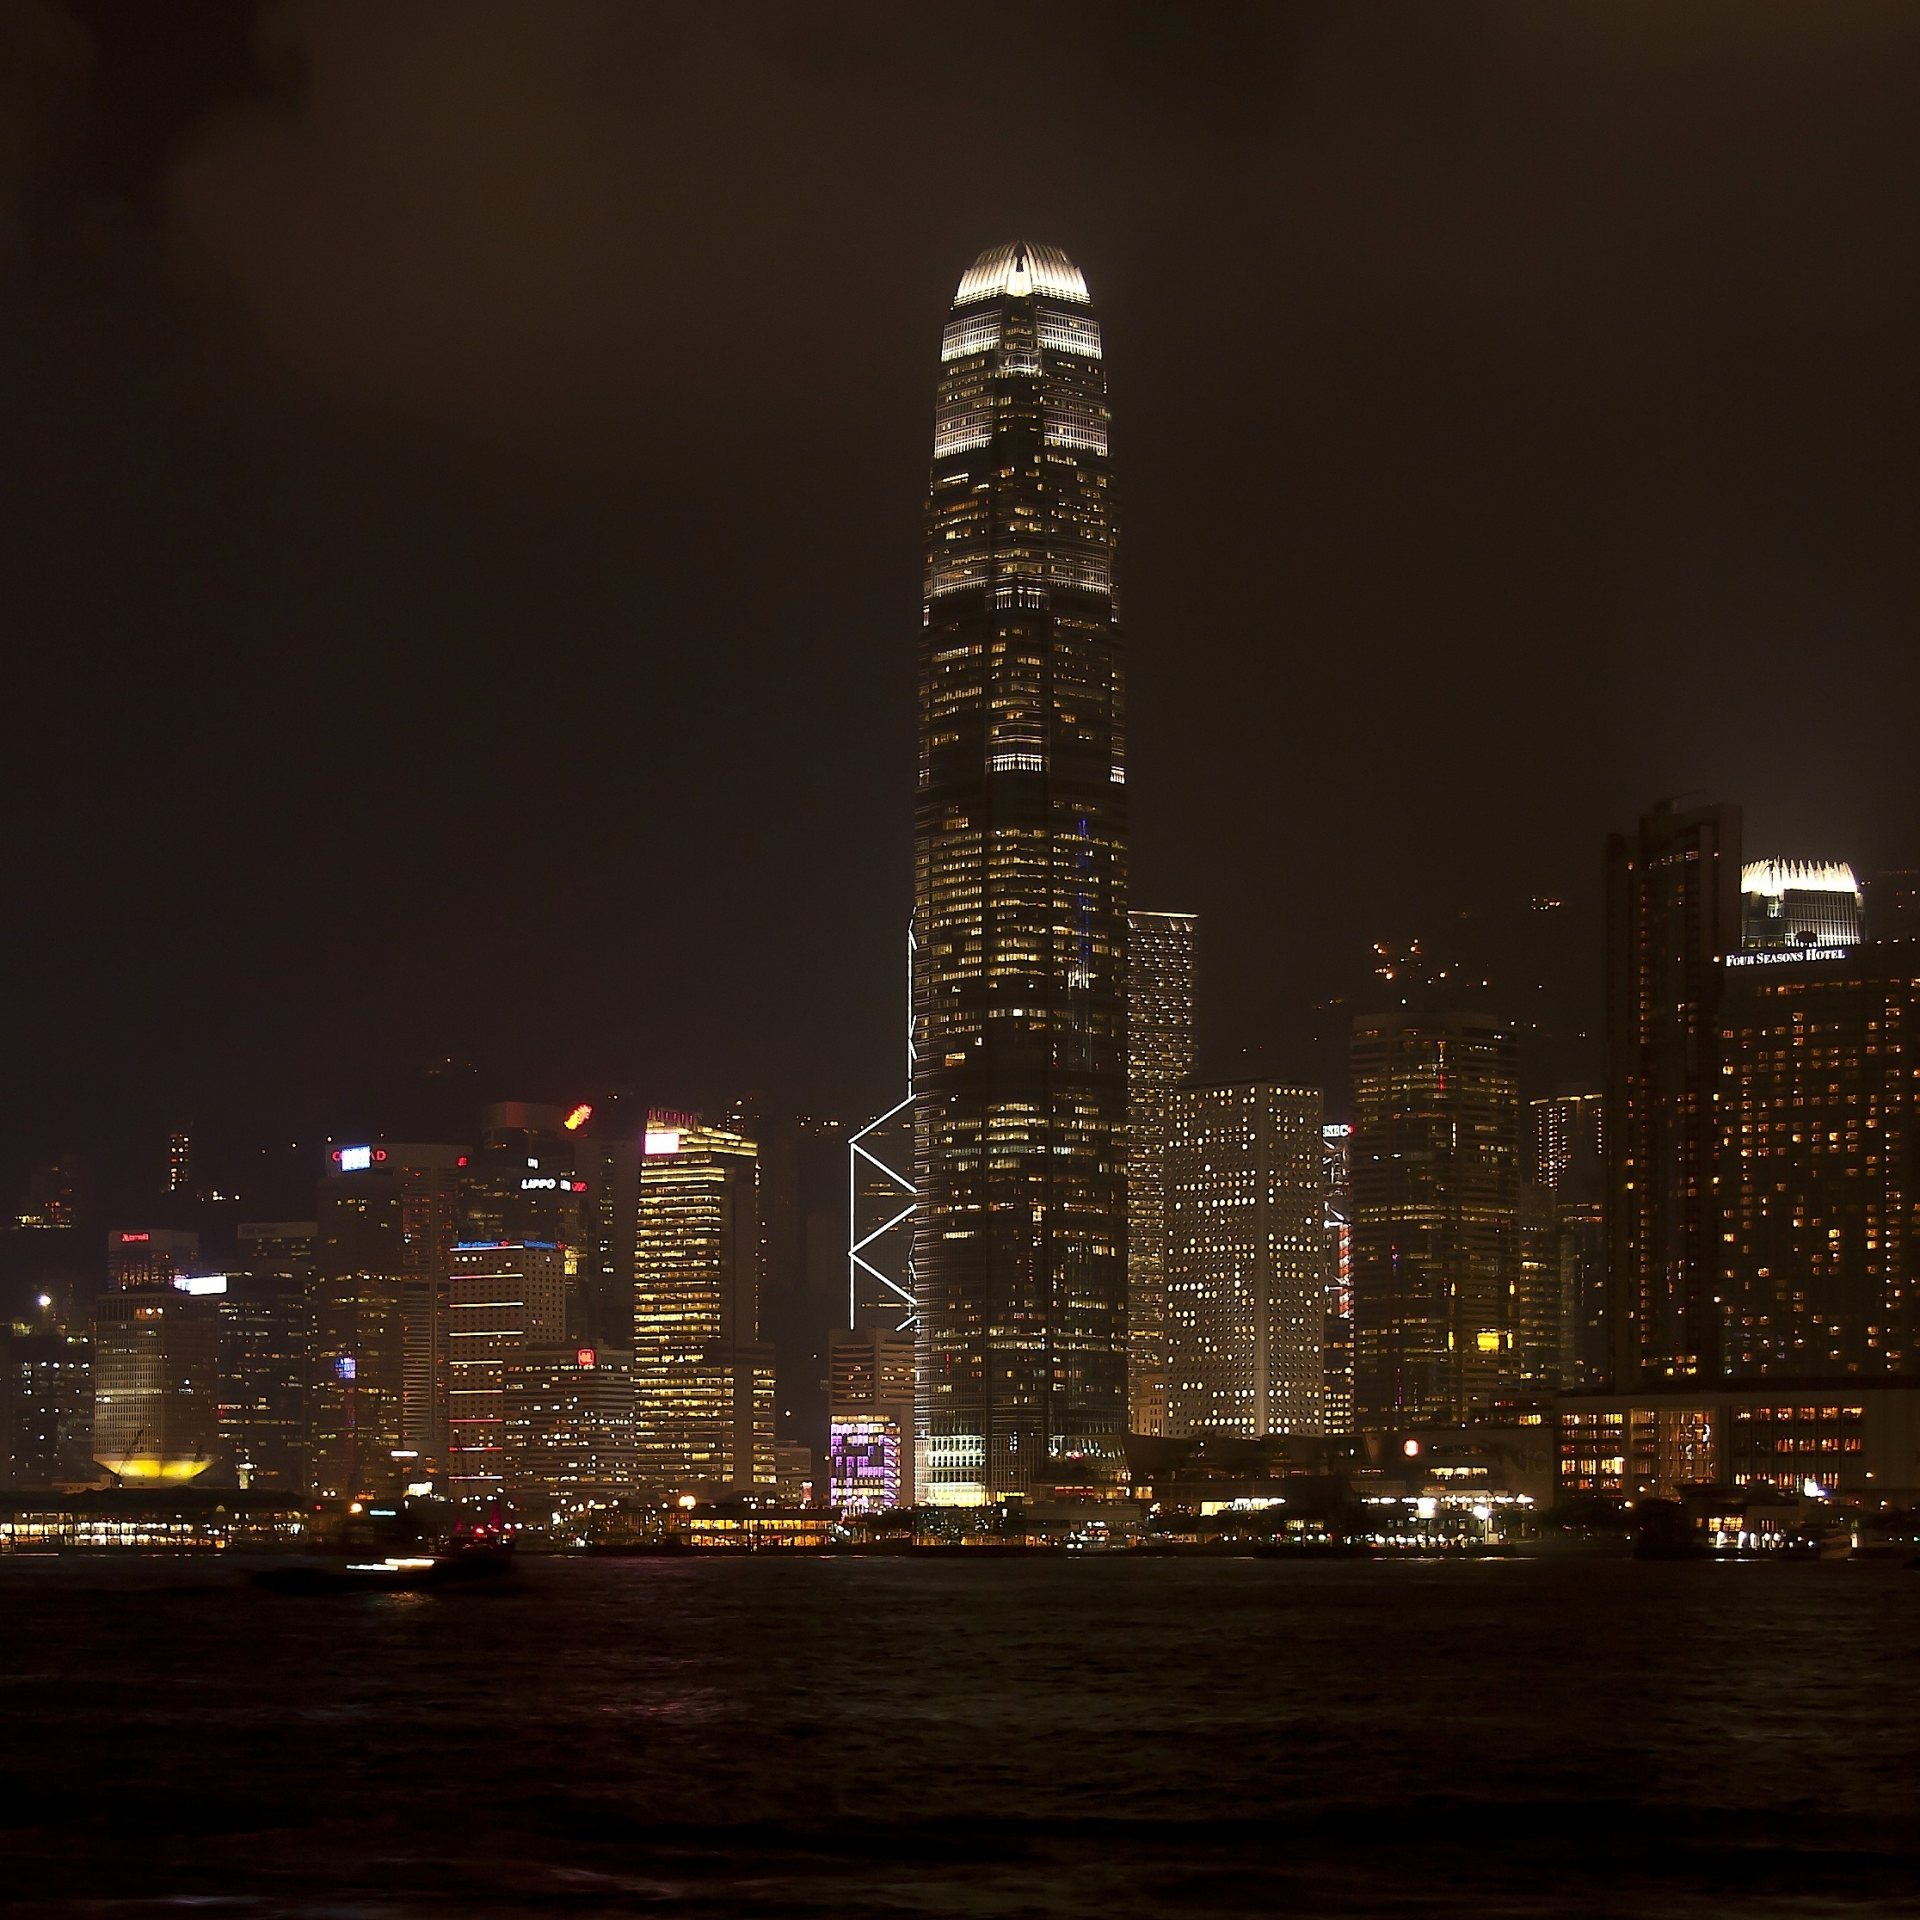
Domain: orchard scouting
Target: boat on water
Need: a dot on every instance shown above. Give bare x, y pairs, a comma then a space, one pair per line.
408, 1547
389, 1573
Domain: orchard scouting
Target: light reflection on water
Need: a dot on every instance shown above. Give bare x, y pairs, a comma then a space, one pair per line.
940, 1738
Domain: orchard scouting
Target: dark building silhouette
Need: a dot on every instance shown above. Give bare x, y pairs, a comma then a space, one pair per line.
1673, 913
1020, 900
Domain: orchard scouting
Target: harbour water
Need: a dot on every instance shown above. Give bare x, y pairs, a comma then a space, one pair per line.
1092, 1737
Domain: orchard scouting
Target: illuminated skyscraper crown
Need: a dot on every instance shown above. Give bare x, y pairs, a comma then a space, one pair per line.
1773, 878
1021, 268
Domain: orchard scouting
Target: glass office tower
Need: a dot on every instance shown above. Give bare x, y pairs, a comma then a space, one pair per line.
1020, 902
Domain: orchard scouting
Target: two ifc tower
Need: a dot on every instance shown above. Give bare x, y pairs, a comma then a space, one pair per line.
1019, 1031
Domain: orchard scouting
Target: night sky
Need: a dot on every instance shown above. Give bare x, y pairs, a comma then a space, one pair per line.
463, 467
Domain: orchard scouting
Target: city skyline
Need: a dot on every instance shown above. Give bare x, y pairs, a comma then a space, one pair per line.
959, 960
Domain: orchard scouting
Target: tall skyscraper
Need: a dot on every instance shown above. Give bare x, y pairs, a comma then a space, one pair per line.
703, 1387
1020, 900
1160, 1053
1673, 913
1246, 1260
1436, 1176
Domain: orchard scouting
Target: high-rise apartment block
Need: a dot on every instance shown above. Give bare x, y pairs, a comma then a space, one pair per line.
1020, 900
1436, 1174
703, 1391
1246, 1260
1160, 1055
1673, 915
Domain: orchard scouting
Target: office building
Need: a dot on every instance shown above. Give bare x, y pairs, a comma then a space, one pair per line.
568, 1431
1160, 1055
46, 1409
265, 1365
1336, 1173
1570, 1163
388, 1218
286, 1249
1796, 904
870, 1413
1818, 1194
1245, 1260
505, 1299
1436, 1171
1020, 901
1848, 1439
1673, 914
156, 1356
703, 1387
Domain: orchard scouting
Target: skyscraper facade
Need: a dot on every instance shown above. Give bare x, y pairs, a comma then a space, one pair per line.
1436, 1174
388, 1217
1799, 904
1570, 1163
506, 1299
1336, 1180
1160, 1054
1020, 900
703, 1396
1246, 1260
1673, 914
1819, 1168
870, 1421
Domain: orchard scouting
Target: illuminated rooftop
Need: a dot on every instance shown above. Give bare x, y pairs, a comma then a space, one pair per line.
1021, 268
1772, 879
